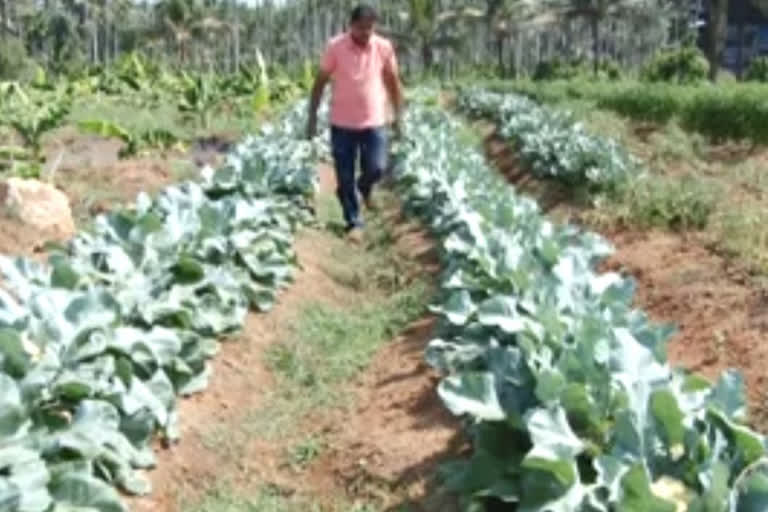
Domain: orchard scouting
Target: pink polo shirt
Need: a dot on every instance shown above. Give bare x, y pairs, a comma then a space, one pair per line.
359, 98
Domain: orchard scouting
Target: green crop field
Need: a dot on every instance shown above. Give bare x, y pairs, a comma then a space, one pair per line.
558, 306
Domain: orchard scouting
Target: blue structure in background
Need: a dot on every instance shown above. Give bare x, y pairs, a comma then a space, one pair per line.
747, 33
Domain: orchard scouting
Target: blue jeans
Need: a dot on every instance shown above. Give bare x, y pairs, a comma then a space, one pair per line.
371, 143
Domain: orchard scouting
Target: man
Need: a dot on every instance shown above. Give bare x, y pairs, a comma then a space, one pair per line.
363, 67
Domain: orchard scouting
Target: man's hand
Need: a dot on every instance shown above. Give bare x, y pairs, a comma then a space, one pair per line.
312, 126
395, 91
314, 102
397, 128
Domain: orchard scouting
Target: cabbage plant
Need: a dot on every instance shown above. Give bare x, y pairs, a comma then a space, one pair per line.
564, 386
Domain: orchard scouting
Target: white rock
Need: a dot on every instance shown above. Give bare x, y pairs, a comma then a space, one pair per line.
38, 204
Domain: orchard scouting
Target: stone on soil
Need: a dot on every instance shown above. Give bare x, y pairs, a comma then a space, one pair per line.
39, 205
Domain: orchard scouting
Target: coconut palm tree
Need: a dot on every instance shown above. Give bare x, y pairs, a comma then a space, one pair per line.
596, 12
505, 18
717, 31
428, 27
5, 20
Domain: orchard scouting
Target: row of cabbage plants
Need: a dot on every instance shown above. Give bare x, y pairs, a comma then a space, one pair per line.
550, 142
565, 388
97, 344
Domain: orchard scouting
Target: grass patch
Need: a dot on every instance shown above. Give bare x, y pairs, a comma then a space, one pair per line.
657, 144
676, 204
266, 499
301, 454
750, 175
671, 143
728, 111
377, 269
329, 345
164, 116
743, 232
723, 197
689, 187
161, 117
328, 213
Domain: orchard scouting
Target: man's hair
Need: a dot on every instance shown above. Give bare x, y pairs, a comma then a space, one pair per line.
363, 12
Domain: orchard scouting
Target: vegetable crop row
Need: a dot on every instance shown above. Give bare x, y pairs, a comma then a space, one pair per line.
96, 345
732, 111
568, 397
550, 142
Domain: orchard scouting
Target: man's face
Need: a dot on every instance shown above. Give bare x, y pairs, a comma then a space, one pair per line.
362, 30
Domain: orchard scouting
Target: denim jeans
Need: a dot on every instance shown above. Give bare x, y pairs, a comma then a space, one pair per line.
371, 146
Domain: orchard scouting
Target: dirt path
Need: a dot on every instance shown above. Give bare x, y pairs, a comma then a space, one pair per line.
398, 434
240, 383
719, 309
383, 446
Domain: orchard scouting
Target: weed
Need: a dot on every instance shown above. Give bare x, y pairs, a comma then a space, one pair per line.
741, 231
265, 499
671, 143
328, 213
305, 451
750, 175
678, 204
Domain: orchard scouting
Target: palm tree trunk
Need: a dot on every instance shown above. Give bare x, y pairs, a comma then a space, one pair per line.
742, 63
236, 35
95, 44
115, 42
427, 56
500, 53
3, 20
718, 30
595, 25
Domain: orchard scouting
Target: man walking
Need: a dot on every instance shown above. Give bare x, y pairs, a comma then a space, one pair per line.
363, 68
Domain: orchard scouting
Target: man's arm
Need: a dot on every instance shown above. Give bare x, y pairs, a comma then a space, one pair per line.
394, 89
314, 101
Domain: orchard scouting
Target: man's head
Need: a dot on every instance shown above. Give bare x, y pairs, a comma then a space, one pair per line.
361, 23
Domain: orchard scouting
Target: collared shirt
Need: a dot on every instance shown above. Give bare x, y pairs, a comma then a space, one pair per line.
359, 97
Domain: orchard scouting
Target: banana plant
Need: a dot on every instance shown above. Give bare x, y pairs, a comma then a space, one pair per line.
243, 83
308, 75
10, 91
19, 161
33, 118
199, 98
140, 78
261, 98
42, 81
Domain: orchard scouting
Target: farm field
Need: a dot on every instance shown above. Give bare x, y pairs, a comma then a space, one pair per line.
320, 402
558, 305
690, 232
